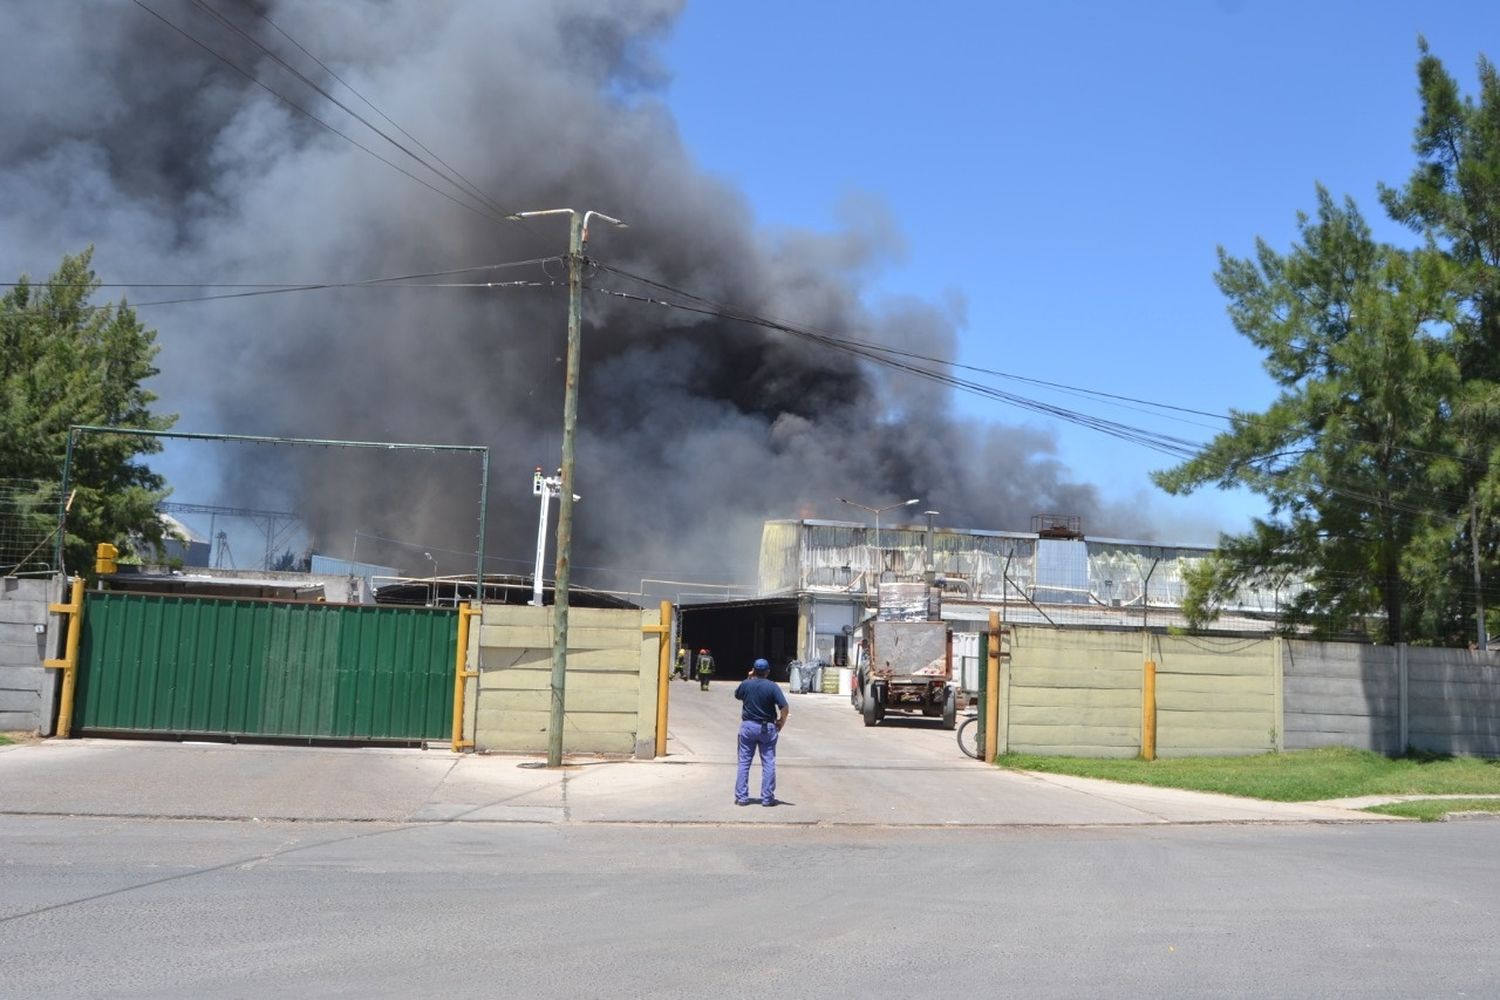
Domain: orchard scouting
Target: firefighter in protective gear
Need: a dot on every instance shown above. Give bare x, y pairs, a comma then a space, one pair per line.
705, 667
680, 669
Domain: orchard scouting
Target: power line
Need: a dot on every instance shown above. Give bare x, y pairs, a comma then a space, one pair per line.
312, 288
1167, 444
349, 87
481, 209
267, 288
222, 19
288, 285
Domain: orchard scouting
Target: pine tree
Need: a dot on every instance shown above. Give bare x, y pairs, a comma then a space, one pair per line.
64, 361
1352, 454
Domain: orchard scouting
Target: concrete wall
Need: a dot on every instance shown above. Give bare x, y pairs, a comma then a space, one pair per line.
1342, 694
1453, 701
27, 689
1079, 692
1216, 696
610, 703
1072, 693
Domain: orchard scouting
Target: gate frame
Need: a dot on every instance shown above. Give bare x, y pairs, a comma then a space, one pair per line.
75, 430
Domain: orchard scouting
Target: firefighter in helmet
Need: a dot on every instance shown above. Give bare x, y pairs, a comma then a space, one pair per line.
680, 668
705, 667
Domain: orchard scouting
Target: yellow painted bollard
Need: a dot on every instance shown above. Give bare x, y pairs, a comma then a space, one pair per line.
663, 632
69, 663
461, 674
1148, 713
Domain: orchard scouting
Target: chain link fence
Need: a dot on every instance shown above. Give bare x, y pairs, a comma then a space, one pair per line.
28, 525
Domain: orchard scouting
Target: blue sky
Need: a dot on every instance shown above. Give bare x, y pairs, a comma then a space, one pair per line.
1068, 169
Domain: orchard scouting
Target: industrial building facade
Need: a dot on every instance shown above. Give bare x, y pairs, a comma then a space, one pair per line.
830, 570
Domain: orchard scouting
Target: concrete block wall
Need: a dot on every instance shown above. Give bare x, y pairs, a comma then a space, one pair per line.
610, 696
1216, 696
1453, 701
1342, 694
28, 691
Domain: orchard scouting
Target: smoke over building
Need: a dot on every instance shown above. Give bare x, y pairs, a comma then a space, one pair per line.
120, 132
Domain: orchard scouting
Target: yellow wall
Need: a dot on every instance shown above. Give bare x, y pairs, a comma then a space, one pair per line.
1079, 693
1074, 693
610, 703
1216, 696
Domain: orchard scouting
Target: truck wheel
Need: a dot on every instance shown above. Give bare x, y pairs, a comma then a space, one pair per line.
871, 708
855, 697
950, 711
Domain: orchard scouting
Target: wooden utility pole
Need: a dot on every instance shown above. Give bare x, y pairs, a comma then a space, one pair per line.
578, 234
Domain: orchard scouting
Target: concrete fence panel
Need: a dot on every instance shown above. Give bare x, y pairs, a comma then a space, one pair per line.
1453, 701
1342, 694
1215, 696
29, 634
1074, 693
610, 694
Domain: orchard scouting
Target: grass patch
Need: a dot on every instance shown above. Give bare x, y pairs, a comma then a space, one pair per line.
1433, 810
1299, 776
5, 740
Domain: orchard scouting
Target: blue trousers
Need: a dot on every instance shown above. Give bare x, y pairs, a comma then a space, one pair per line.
753, 735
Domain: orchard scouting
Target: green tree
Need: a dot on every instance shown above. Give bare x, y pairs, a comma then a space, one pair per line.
1452, 199
1351, 455
64, 361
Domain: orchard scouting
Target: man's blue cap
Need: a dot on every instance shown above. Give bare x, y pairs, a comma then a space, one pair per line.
761, 667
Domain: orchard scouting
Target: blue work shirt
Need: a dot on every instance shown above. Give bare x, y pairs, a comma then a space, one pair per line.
762, 697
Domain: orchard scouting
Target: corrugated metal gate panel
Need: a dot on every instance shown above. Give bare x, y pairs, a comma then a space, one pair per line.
185, 665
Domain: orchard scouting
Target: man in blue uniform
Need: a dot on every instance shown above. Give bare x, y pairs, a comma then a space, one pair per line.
761, 719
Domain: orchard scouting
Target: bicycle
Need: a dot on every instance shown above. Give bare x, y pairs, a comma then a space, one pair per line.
968, 737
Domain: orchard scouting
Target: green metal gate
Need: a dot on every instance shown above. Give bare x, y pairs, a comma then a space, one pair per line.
204, 666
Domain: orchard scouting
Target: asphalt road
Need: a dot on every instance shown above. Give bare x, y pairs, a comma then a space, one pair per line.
140, 907
900, 868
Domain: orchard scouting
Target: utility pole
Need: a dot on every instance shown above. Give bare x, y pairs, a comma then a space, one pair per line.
578, 235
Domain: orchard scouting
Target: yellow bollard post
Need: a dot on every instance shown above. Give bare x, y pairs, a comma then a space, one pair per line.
1148, 713
663, 633
662, 674
69, 663
462, 674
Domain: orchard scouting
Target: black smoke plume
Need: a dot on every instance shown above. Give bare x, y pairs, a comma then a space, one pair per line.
120, 132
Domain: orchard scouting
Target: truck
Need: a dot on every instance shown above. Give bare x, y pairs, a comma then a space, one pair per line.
905, 658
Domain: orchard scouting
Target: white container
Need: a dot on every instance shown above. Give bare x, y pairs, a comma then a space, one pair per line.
846, 681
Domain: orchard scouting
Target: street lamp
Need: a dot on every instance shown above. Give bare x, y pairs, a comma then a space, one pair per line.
578, 238
428, 557
877, 511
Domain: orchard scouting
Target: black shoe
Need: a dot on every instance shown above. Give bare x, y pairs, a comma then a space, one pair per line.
773, 802
742, 802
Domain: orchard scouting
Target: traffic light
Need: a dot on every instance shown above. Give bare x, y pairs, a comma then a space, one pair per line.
104, 559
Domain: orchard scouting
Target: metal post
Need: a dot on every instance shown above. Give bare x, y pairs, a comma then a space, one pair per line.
484, 500
1148, 666
541, 543
877, 511
62, 504
931, 569
1484, 641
